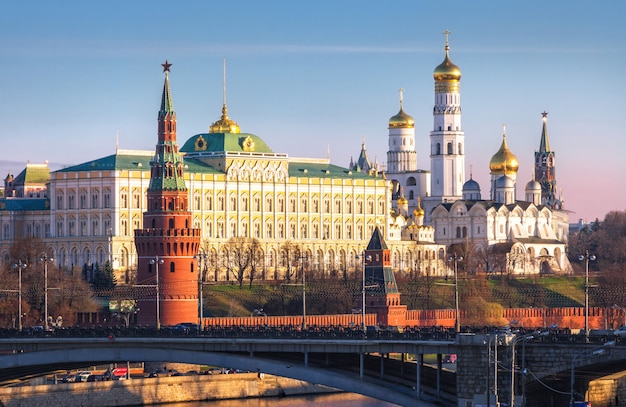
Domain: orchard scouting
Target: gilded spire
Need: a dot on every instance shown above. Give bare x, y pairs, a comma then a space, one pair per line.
224, 124
544, 145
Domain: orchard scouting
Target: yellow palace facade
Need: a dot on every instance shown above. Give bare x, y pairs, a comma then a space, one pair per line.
238, 187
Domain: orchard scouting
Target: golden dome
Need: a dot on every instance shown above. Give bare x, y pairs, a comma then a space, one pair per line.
401, 120
447, 71
504, 161
418, 212
403, 201
224, 124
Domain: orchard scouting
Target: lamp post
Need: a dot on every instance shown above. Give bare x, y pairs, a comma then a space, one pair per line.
515, 342
19, 266
302, 260
594, 352
156, 261
202, 259
457, 324
364, 287
45, 260
587, 257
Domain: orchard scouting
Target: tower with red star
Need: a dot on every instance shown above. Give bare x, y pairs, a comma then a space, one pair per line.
167, 243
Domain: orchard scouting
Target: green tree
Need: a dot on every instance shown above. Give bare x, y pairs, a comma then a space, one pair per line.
104, 277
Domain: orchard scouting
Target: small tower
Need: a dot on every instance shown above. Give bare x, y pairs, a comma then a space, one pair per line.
545, 170
167, 243
401, 156
382, 295
363, 164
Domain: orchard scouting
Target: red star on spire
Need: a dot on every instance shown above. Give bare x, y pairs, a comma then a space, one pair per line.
544, 114
166, 66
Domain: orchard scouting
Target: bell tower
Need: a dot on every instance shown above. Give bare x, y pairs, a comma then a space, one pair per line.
167, 244
447, 139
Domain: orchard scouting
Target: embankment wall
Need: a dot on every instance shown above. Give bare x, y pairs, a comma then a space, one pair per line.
156, 390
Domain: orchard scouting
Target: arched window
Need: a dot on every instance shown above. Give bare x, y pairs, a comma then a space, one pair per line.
450, 148
172, 267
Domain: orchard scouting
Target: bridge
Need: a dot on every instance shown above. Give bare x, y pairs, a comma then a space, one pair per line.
357, 365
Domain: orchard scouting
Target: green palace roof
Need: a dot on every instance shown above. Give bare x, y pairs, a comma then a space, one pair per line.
141, 162
24, 204
33, 174
113, 162
225, 142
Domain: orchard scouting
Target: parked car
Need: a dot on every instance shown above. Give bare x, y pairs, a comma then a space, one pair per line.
620, 332
69, 378
83, 375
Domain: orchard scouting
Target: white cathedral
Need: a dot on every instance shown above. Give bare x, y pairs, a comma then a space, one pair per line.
528, 236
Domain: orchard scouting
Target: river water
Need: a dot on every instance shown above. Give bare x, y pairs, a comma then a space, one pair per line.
318, 400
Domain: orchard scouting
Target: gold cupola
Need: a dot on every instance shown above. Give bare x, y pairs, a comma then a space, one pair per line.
418, 211
447, 71
224, 124
401, 120
504, 161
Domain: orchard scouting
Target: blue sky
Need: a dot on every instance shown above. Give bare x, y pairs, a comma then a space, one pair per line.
308, 75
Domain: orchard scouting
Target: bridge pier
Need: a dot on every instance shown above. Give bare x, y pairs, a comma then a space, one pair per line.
439, 367
418, 366
361, 365
306, 359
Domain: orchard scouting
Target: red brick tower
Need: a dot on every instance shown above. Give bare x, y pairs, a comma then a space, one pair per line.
382, 295
167, 243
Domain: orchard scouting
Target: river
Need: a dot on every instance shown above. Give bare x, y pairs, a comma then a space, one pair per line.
318, 400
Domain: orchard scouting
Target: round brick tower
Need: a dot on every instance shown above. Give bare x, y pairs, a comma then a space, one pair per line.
167, 244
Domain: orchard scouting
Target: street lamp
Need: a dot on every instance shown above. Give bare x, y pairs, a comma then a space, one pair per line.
593, 352
587, 257
45, 260
456, 258
156, 261
302, 260
363, 288
19, 266
515, 342
202, 260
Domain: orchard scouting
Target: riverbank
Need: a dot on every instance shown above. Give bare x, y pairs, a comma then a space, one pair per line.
158, 390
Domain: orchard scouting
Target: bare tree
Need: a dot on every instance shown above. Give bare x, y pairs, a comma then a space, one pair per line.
291, 256
241, 258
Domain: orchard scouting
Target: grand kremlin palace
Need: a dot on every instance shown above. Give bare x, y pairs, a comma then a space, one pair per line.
238, 187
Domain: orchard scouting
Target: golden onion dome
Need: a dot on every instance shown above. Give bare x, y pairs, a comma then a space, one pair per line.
418, 212
402, 120
504, 161
403, 201
447, 71
224, 124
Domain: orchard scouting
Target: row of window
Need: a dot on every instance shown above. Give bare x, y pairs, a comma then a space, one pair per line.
30, 230
81, 200
304, 204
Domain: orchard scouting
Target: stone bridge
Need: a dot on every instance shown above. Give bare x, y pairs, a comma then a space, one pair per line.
538, 367
381, 368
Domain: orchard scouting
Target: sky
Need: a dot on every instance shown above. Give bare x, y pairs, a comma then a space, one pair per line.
313, 77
